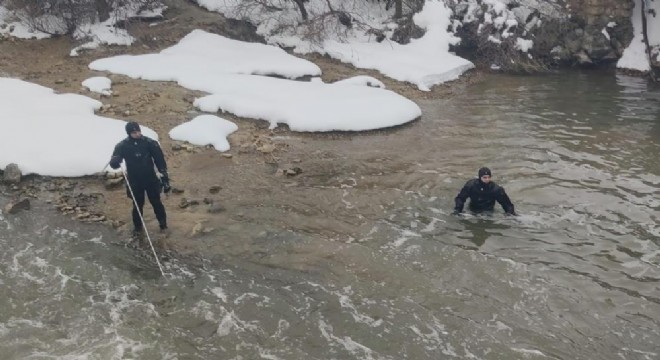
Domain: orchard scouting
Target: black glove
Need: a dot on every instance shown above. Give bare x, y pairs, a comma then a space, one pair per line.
165, 182
510, 211
115, 162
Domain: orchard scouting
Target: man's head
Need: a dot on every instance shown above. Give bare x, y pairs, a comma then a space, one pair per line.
484, 175
133, 130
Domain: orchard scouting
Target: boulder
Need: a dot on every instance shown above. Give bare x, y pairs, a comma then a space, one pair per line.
12, 174
18, 205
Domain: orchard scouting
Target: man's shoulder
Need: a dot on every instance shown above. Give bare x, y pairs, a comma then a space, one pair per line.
122, 142
471, 182
149, 140
496, 187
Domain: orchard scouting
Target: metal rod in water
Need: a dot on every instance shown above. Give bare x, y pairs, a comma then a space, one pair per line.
144, 226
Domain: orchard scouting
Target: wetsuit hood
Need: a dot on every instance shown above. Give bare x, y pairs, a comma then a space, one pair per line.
484, 171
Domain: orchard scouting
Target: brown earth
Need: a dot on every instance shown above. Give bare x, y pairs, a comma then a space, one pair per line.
242, 177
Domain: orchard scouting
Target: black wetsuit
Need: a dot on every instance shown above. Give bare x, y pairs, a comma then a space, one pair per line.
482, 197
140, 156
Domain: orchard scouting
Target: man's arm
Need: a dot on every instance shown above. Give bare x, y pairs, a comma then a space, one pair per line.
161, 165
157, 155
461, 198
505, 202
116, 159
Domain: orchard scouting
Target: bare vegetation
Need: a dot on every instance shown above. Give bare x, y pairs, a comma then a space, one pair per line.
63, 17
318, 21
497, 45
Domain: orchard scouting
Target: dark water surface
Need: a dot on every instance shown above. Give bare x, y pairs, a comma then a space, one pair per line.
358, 258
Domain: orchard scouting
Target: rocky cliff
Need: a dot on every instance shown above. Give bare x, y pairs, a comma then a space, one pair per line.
563, 32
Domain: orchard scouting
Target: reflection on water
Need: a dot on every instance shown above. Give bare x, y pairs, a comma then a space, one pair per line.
359, 257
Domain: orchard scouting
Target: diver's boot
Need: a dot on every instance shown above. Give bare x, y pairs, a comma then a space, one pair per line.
164, 231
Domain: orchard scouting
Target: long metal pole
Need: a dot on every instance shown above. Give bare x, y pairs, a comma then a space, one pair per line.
144, 226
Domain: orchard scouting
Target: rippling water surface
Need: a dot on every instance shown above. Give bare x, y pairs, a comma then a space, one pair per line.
358, 257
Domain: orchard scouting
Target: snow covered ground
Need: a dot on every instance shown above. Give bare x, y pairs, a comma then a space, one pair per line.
424, 62
60, 135
55, 134
227, 71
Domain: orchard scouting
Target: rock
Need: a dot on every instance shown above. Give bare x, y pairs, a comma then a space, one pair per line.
12, 174
96, 218
114, 175
208, 201
227, 155
197, 229
293, 171
184, 203
83, 215
289, 171
113, 183
266, 148
215, 189
176, 190
215, 208
16, 206
583, 58
187, 202
177, 147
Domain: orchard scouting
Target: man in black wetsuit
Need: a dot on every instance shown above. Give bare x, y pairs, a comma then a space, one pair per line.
141, 153
483, 193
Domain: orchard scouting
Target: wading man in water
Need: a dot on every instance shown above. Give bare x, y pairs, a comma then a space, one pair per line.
141, 153
483, 193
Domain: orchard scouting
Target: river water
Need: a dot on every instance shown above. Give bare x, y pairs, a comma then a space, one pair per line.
359, 257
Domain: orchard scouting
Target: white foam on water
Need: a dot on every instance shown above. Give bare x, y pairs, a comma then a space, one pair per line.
353, 347
346, 303
431, 336
347, 203
230, 321
176, 270
282, 326
647, 354
65, 232
405, 235
97, 240
226, 325
64, 278
219, 293
414, 250
245, 296
514, 265
265, 354
434, 337
529, 351
430, 227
